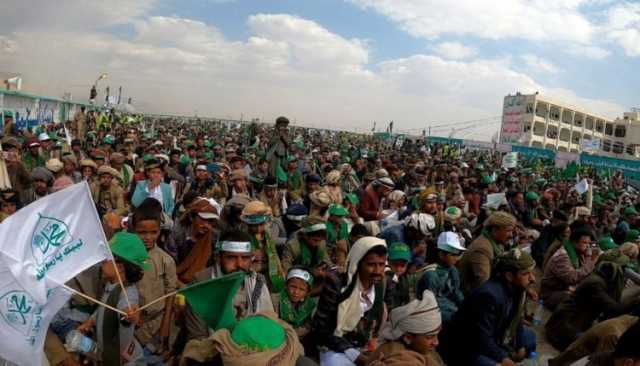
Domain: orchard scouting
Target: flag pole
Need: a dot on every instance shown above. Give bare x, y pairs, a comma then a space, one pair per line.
157, 300
115, 266
87, 297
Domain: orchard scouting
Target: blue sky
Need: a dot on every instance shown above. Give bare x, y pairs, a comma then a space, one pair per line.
335, 63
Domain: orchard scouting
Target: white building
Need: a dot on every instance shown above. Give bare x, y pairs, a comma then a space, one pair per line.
537, 121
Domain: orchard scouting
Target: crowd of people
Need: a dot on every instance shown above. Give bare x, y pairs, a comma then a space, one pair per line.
355, 250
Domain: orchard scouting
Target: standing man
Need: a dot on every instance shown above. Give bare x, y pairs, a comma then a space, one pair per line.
279, 146
80, 124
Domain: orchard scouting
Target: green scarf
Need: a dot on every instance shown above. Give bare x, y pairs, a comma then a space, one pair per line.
293, 315
295, 181
333, 236
273, 261
571, 251
307, 256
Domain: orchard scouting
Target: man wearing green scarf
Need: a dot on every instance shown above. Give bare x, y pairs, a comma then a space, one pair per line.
255, 216
308, 247
569, 265
478, 262
338, 233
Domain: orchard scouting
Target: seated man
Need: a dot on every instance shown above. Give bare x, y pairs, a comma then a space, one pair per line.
627, 352
489, 321
412, 328
351, 307
569, 265
234, 253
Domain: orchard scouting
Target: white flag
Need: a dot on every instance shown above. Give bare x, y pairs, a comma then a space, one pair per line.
24, 323
582, 186
52, 240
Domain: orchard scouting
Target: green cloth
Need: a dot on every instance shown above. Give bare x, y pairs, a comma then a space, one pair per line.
630, 211
570, 171
295, 181
130, 248
310, 259
497, 249
573, 255
273, 261
334, 235
632, 235
258, 334
212, 300
399, 251
532, 196
281, 175
296, 315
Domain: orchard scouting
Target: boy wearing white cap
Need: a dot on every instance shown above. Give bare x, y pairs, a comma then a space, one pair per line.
442, 277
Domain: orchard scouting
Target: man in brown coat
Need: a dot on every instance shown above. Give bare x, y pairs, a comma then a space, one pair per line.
476, 265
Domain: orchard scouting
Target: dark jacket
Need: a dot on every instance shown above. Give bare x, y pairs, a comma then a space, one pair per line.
597, 294
325, 319
482, 323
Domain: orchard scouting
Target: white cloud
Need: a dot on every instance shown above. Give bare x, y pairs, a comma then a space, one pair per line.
455, 50
590, 52
287, 65
548, 20
623, 27
538, 64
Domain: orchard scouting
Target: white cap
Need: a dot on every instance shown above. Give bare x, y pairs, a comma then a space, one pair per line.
449, 241
43, 137
158, 143
208, 216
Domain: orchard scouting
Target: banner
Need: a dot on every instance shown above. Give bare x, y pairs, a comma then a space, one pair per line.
52, 240
510, 160
512, 113
590, 145
24, 323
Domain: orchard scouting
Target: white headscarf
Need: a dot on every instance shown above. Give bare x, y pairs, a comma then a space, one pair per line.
417, 317
350, 311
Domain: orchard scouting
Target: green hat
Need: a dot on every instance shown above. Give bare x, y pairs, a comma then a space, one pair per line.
108, 140
208, 155
399, 251
532, 196
611, 195
606, 243
130, 248
185, 159
8, 114
597, 199
291, 158
208, 143
487, 179
630, 211
258, 334
632, 235
351, 197
338, 210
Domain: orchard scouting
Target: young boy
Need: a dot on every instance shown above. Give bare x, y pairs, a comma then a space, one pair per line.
442, 277
158, 280
294, 305
114, 333
400, 283
338, 234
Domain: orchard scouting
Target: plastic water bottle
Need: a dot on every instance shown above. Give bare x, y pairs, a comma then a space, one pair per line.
532, 360
79, 343
537, 315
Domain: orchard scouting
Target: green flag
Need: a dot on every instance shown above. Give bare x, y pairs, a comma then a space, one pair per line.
281, 174
570, 171
213, 300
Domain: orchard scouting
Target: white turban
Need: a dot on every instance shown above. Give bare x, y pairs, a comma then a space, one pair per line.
417, 317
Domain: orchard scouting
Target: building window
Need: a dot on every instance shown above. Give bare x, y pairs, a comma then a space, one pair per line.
608, 129
618, 147
606, 145
530, 108
620, 131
